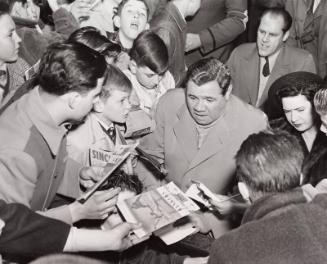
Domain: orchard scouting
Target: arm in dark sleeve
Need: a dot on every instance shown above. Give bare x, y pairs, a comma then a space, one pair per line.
227, 29
27, 234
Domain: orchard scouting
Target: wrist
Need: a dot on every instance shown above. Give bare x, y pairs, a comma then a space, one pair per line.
76, 211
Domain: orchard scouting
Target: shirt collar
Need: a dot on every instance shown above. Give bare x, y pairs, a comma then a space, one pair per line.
51, 132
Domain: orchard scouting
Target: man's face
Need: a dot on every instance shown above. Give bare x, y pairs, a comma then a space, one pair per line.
323, 118
270, 35
133, 19
146, 77
9, 40
116, 107
206, 102
88, 100
299, 112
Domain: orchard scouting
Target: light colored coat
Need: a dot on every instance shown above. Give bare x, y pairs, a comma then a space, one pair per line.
174, 142
244, 65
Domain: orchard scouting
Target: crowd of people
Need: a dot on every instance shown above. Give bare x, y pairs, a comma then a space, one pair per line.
229, 93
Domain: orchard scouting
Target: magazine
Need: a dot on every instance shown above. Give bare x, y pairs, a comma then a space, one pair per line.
111, 160
157, 209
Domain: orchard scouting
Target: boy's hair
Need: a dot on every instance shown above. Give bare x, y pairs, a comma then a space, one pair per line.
70, 67
91, 37
207, 70
149, 50
265, 163
297, 83
121, 179
4, 8
279, 11
119, 8
320, 99
116, 80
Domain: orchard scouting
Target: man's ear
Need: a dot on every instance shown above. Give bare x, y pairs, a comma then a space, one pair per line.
98, 106
286, 35
244, 190
228, 92
132, 66
117, 21
73, 99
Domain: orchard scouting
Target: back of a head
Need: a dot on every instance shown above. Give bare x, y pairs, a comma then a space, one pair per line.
207, 70
4, 7
150, 51
92, 38
320, 99
70, 67
266, 165
297, 83
116, 81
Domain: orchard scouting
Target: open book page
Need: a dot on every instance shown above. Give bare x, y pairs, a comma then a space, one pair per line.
111, 162
156, 208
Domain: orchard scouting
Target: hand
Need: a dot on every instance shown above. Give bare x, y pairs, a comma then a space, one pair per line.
98, 206
53, 5
193, 42
199, 221
199, 260
90, 175
224, 206
120, 237
81, 9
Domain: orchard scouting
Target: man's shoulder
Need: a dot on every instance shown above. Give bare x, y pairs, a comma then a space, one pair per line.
295, 52
245, 48
171, 101
241, 113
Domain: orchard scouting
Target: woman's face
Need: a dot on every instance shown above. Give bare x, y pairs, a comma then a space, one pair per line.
299, 112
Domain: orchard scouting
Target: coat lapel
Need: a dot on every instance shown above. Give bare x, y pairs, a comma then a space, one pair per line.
99, 138
186, 134
280, 68
251, 68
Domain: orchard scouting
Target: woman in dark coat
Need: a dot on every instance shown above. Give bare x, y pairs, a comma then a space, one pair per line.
296, 92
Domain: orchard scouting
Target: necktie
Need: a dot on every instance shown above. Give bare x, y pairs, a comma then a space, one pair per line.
265, 69
3, 76
111, 132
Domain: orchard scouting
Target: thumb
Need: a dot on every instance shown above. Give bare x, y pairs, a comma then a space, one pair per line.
124, 228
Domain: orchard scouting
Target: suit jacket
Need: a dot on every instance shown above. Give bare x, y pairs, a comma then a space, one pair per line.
32, 153
244, 64
304, 35
277, 229
29, 235
171, 28
218, 22
174, 142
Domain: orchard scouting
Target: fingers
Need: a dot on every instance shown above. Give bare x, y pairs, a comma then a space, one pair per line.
93, 174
